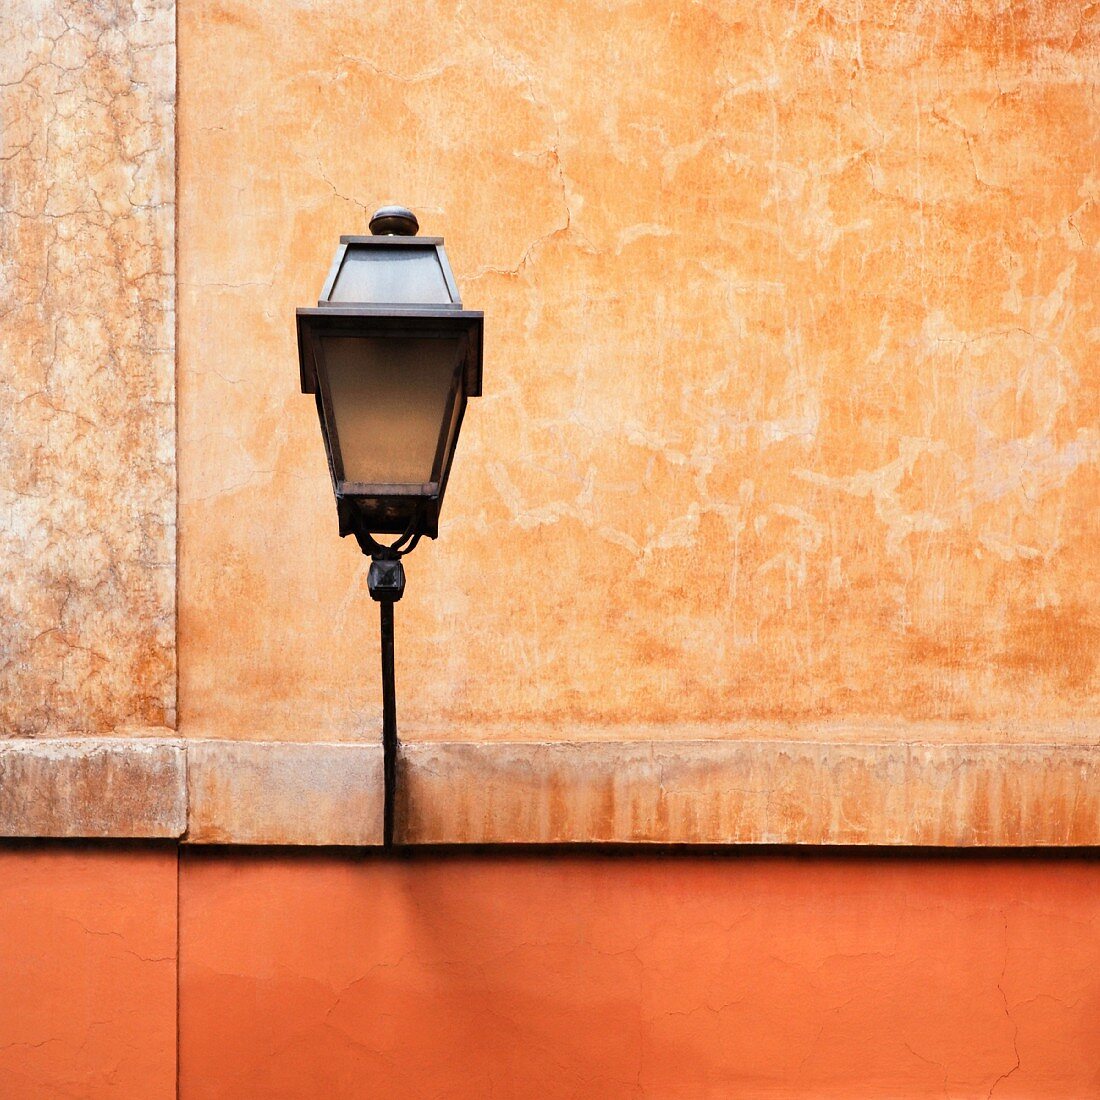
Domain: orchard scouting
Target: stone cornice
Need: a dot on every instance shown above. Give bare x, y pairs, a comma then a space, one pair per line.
703, 792
93, 787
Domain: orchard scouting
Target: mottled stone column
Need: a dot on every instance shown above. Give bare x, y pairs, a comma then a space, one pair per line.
87, 347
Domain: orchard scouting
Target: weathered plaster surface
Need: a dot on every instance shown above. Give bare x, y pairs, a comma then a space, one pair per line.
284, 793
790, 430
87, 972
628, 978
669, 791
87, 440
93, 787
748, 792
791, 380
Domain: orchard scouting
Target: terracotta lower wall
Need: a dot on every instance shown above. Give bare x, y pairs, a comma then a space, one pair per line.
87, 971
332, 975
687, 977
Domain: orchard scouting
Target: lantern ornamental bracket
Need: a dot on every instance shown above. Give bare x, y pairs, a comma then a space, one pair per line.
391, 359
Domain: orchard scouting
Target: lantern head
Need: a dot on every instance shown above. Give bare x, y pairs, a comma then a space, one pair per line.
391, 358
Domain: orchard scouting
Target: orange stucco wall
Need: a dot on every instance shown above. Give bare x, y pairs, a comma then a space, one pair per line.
329, 975
682, 977
87, 971
790, 404
790, 417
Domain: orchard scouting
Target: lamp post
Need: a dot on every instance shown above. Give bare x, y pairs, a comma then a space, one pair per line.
391, 358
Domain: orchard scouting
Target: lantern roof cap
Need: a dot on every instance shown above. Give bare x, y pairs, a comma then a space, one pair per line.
391, 267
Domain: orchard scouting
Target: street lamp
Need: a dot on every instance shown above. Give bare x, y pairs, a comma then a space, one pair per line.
391, 358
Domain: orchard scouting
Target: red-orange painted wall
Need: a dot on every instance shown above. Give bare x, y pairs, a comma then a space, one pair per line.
87, 971
327, 975
685, 977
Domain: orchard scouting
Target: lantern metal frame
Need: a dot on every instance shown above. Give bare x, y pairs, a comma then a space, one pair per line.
389, 508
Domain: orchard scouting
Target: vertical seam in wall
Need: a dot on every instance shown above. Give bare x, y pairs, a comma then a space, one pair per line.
176, 452
179, 857
176, 339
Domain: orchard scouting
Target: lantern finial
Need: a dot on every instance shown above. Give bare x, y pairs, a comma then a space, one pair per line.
394, 221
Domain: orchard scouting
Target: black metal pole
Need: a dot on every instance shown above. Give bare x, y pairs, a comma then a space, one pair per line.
389, 723
386, 584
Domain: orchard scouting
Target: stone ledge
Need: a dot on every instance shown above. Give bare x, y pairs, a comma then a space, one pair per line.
621, 792
755, 792
281, 792
92, 787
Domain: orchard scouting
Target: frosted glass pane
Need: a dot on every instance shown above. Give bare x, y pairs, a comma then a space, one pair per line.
406, 276
452, 427
389, 398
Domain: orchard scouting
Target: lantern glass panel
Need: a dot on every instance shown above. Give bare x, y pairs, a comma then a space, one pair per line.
457, 409
399, 276
389, 400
